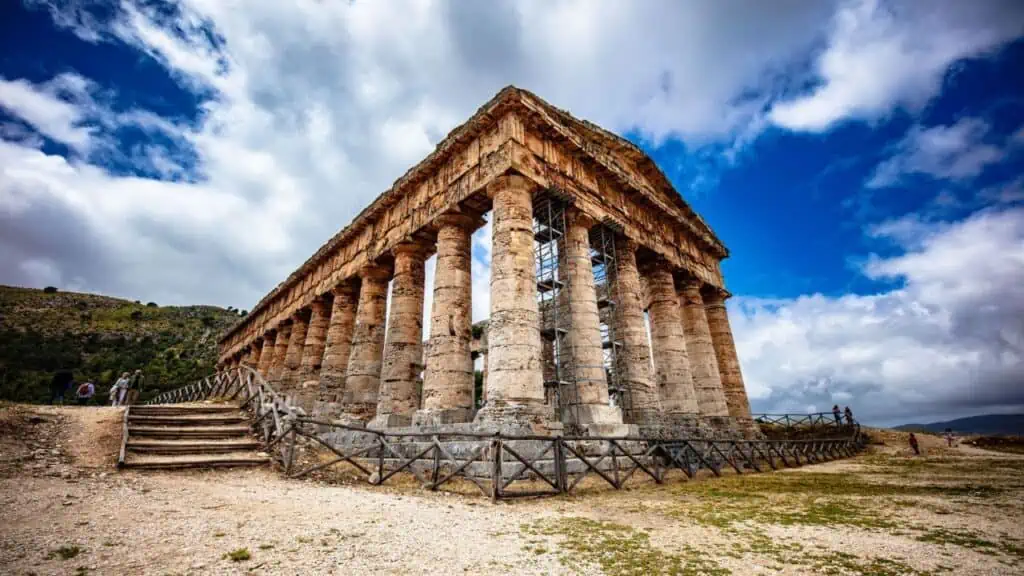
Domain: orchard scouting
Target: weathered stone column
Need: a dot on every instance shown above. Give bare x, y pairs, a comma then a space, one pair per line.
267, 355
672, 366
634, 357
293, 356
338, 346
308, 380
284, 332
398, 399
584, 339
515, 385
255, 351
725, 352
362, 378
448, 380
703, 364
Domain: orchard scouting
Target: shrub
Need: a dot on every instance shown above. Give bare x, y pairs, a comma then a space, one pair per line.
50, 290
136, 315
151, 304
66, 552
240, 555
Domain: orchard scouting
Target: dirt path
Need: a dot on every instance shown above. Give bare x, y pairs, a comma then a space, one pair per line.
958, 512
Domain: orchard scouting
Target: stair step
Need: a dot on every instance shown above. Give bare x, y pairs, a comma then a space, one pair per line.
196, 461
187, 419
190, 446
183, 409
210, 432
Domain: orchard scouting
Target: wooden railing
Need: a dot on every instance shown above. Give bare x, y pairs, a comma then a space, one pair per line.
817, 420
503, 466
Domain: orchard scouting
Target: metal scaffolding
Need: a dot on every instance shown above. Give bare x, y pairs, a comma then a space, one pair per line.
560, 389
602, 257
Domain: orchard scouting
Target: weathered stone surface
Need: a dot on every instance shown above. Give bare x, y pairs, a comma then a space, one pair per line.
634, 357
725, 352
362, 379
398, 397
448, 379
293, 355
515, 386
703, 363
584, 338
338, 346
313, 352
672, 366
267, 356
284, 333
255, 351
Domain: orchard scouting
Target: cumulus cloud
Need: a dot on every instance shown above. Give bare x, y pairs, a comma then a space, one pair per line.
882, 56
948, 339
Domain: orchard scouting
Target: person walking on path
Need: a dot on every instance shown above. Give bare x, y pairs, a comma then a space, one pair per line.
913, 444
59, 385
835, 412
949, 437
118, 391
85, 393
135, 387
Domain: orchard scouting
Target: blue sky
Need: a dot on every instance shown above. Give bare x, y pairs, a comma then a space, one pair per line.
862, 159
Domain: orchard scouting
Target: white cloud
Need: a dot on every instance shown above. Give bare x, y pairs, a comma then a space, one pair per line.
949, 339
887, 55
959, 152
60, 119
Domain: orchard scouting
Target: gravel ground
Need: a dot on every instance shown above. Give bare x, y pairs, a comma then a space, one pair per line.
187, 522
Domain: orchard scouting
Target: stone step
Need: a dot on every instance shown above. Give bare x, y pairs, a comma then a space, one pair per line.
147, 462
183, 432
191, 446
215, 419
190, 408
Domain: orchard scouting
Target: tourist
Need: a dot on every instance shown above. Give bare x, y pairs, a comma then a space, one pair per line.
118, 391
835, 412
849, 416
913, 444
135, 387
949, 437
85, 393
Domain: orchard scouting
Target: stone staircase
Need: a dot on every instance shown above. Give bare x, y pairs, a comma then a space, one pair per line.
167, 436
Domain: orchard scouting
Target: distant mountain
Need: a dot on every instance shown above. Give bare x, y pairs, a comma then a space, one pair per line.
990, 424
98, 337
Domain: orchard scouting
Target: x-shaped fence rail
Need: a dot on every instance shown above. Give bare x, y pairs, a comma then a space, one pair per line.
502, 466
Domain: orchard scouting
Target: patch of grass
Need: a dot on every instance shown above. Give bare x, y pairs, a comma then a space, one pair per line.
304, 539
973, 541
619, 550
65, 552
239, 555
219, 535
265, 546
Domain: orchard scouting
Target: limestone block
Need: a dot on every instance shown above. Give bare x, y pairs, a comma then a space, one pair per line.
284, 333
267, 356
293, 355
725, 352
313, 351
703, 363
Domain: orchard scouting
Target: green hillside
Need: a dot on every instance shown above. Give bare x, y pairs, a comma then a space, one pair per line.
97, 338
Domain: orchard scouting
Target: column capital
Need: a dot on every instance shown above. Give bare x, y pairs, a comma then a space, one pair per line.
689, 284
301, 315
575, 216
344, 288
626, 244
375, 272
714, 296
456, 219
507, 181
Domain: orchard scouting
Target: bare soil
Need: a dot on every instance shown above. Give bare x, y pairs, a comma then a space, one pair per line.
952, 511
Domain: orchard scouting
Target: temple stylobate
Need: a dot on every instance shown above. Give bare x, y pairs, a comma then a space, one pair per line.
607, 298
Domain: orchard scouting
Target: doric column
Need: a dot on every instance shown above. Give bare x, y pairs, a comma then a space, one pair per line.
448, 380
339, 343
703, 364
313, 352
293, 356
362, 378
634, 357
397, 398
672, 366
515, 386
284, 333
267, 354
725, 352
584, 339
252, 359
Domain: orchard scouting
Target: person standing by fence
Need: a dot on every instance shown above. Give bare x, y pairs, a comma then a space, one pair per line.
835, 412
135, 387
849, 416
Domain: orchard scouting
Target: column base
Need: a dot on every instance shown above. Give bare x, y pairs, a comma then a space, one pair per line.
614, 430
598, 414
386, 421
441, 416
513, 418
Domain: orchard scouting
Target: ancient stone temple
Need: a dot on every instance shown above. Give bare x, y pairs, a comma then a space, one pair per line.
607, 298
